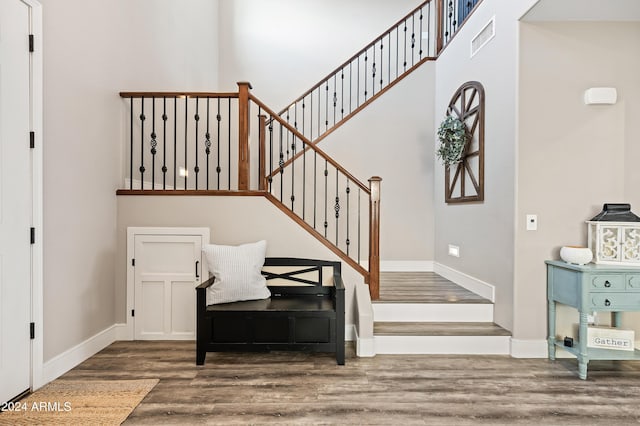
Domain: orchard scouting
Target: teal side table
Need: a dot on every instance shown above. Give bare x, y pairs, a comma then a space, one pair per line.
591, 288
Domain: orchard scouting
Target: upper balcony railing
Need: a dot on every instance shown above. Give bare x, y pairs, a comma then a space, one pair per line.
375, 68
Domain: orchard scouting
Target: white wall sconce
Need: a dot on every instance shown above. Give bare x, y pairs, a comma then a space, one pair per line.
600, 96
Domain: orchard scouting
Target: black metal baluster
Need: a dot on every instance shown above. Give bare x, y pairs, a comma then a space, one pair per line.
311, 116
326, 195
196, 117
413, 38
270, 154
153, 143
359, 239
350, 85
175, 142
373, 71
420, 51
366, 59
303, 116
260, 131
335, 99
315, 186
288, 138
164, 142
336, 207
219, 120
186, 122
397, 49
348, 241
381, 62
131, 143
389, 59
326, 107
142, 118
281, 164
404, 64
319, 110
229, 150
429, 32
304, 179
358, 84
342, 94
207, 141
293, 169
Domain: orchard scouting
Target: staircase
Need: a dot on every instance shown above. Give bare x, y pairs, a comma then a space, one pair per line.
201, 143
424, 313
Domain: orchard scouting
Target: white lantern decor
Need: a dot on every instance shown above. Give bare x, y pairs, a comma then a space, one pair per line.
614, 235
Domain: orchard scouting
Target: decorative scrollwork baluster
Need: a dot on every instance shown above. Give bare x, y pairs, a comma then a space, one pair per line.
207, 142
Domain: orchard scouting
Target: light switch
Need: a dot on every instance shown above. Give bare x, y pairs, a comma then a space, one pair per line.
532, 222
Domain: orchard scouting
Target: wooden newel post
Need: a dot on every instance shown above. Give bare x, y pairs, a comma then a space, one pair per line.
374, 237
262, 154
243, 135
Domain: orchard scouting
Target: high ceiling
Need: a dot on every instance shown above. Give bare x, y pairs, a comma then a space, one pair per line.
584, 10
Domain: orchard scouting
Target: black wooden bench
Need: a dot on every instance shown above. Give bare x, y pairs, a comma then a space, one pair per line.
305, 316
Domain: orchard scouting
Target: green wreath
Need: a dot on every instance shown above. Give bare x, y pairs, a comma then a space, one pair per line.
453, 137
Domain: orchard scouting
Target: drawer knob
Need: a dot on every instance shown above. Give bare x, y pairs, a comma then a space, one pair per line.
607, 284
607, 302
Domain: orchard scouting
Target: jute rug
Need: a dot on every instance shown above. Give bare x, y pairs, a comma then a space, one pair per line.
76, 402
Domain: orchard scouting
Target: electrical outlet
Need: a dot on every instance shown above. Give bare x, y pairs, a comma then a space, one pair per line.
454, 250
532, 222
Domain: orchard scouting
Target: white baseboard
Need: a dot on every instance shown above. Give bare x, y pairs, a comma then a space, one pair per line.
365, 347
472, 284
529, 348
442, 345
67, 360
123, 332
350, 332
406, 265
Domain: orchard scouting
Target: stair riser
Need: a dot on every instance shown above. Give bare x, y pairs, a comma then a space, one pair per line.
443, 345
410, 312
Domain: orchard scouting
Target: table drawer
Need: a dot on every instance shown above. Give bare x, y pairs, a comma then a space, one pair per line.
614, 301
610, 282
633, 282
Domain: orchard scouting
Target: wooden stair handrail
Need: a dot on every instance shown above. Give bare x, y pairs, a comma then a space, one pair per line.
212, 95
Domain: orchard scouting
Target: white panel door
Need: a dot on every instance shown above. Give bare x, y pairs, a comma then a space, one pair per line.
15, 200
167, 270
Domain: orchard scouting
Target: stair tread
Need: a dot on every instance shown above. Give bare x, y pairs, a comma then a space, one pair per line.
423, 287
438, 329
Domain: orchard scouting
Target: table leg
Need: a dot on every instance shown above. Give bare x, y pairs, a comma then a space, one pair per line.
617, 319
583, 357
551, 340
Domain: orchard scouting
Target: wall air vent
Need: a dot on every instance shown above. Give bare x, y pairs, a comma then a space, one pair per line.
483, 37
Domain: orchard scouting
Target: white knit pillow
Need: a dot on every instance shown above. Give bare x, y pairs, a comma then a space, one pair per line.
237, 272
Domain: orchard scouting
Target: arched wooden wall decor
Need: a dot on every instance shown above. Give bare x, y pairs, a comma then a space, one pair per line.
465, 180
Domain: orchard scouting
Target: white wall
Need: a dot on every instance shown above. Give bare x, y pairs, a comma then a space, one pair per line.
484, 231
572, 157
93, 50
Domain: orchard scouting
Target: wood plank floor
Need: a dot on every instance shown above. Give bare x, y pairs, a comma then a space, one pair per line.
298, 388
423, 287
